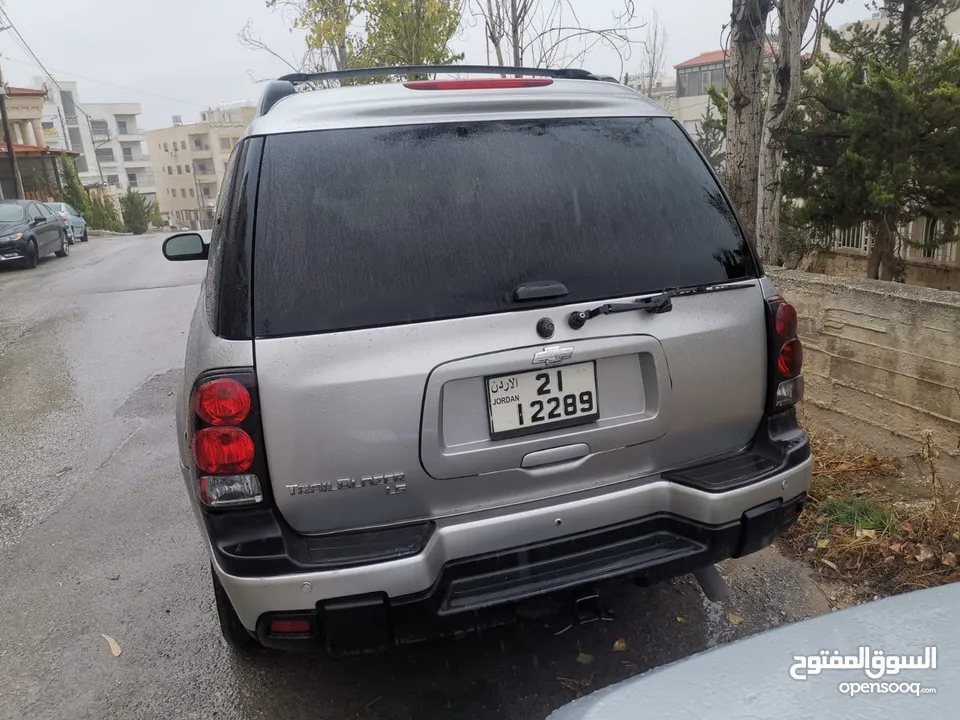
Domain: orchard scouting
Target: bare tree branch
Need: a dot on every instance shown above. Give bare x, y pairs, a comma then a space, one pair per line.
653, 55
543, 33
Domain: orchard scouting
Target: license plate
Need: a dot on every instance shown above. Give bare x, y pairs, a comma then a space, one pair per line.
539, 400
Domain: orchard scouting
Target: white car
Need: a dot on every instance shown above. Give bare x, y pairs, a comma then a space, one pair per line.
75, 224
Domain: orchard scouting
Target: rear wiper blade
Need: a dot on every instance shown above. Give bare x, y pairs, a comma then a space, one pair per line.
655, 305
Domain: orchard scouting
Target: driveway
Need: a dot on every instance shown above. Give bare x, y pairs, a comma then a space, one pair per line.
97, 538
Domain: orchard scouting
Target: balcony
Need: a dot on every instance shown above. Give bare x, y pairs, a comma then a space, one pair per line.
136, 162
132, 135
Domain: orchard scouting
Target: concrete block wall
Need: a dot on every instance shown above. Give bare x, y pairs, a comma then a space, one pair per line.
884, 356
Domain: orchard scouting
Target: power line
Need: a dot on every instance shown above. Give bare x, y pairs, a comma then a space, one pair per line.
24, 45
112, 84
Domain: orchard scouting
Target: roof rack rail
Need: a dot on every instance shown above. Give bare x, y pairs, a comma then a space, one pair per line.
286, 85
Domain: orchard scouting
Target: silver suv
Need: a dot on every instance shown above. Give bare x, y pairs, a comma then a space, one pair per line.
466, 342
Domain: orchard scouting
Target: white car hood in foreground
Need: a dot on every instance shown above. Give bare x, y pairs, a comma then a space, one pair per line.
751, 678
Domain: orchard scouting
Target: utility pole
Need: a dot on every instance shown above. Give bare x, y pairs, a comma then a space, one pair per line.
95, 148
66, 136
11, 154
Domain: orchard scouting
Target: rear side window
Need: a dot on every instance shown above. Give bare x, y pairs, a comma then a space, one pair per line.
380, 226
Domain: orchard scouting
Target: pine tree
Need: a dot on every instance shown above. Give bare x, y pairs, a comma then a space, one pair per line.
876, 140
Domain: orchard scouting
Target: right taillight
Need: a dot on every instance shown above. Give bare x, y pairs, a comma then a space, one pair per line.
225, 438
786, 354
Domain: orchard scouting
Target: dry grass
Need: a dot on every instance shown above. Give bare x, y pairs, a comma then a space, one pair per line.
856, 530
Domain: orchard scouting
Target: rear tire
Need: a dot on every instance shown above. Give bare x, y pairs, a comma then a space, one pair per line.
84, 237
64, 246
236, 635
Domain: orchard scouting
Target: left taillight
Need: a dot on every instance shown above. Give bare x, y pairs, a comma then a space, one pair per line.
226, 442
786, 354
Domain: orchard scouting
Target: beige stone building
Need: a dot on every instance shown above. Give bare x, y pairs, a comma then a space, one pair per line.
189, 160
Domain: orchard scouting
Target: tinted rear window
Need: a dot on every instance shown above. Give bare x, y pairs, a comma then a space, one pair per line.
380, 226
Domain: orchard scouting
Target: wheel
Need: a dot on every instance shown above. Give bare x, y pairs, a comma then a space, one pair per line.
33, 255
84, 237
70, 238
232, 629
64, 246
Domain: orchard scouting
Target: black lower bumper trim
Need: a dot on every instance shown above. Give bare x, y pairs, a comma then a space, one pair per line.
485, 590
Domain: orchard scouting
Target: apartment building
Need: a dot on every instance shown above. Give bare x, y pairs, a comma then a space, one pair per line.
189, 160
107, 136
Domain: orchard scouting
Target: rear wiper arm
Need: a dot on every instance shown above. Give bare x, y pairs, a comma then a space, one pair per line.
655, 305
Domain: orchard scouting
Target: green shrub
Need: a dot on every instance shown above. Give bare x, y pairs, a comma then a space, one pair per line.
136, 211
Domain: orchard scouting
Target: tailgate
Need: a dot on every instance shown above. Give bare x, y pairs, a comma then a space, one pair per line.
399, 277
346, 415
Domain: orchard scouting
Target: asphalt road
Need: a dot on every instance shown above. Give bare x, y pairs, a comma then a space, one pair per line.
96, 537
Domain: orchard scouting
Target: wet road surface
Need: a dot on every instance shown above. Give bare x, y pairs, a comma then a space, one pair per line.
97, 537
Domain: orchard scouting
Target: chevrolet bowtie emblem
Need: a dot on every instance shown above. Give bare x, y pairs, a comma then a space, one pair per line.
552, 355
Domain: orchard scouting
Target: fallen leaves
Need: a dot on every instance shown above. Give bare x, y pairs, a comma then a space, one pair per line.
114, 645
924, 553
864, 533
578, 686
585, 658
735, 619
822, 543
681, 619
949, 559
829, 564
620, 645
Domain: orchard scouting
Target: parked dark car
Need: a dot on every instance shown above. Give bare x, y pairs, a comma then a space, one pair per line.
28, 231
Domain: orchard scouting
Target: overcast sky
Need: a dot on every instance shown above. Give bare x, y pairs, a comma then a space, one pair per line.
177, 57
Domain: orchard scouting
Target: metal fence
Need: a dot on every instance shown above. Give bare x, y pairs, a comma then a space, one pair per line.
922, 234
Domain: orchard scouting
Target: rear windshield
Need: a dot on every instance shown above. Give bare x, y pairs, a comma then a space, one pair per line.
380, 226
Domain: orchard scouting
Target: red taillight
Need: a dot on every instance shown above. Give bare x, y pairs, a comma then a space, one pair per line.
790, 359
221, 402
477, 83
786, 321
289, 627
786, 354
222, 450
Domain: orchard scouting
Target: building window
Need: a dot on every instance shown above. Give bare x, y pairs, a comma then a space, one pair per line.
81, 162
99, 128
224, 143
105, 154
169, 170
132, 179
183, 144
122, 127
186, 168
206, 191
183, 193
69, 107
76, 141
179, 169
197, 144
191, 192
113, 180
127, 154
697, 80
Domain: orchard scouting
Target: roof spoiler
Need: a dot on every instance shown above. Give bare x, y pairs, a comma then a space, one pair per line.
278, 89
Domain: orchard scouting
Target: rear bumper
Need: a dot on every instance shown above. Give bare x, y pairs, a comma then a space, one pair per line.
485, 590
652, 527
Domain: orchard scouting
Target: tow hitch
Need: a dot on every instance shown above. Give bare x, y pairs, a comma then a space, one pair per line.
586, 607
